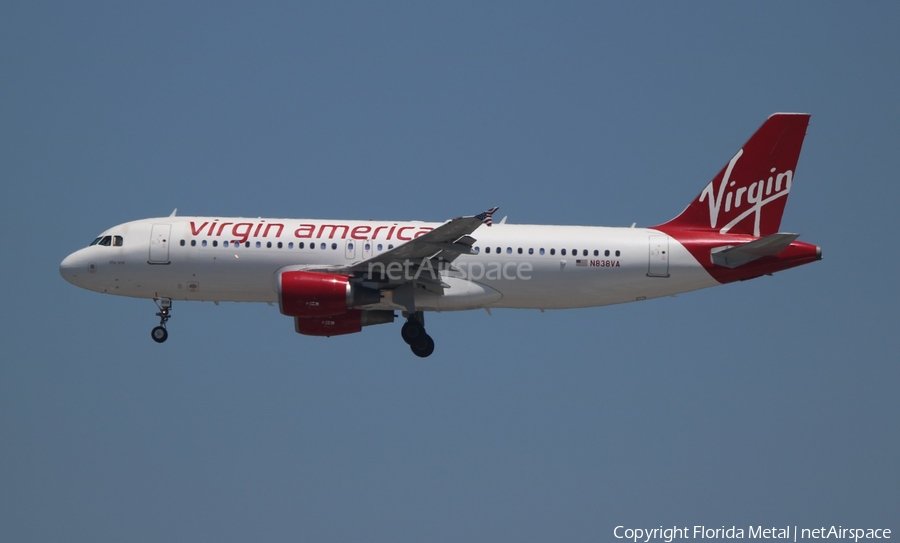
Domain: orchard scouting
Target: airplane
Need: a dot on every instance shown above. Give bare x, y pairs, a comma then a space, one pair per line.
334, 277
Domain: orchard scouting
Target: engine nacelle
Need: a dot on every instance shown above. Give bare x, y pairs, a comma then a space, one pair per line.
347, 323
314, 294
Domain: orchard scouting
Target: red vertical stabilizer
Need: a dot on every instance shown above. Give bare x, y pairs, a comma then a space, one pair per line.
749, 194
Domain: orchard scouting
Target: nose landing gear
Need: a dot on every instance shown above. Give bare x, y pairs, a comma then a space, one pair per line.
160, 334
413, 333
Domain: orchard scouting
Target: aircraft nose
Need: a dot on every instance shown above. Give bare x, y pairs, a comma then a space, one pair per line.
67, 268
73, 268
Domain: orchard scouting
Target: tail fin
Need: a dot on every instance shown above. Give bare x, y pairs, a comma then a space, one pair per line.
749, 194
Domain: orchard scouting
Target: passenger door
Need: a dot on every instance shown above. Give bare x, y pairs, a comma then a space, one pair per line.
159, 244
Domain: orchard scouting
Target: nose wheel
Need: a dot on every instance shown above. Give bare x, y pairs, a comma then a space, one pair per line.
160, 334
414, 334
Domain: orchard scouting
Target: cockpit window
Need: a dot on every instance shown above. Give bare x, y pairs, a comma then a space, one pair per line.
106, 241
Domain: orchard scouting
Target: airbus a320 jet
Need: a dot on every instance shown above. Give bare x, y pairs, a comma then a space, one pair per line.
334, 277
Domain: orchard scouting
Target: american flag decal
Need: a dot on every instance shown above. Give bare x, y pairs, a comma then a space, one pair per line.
486, 217
581, 262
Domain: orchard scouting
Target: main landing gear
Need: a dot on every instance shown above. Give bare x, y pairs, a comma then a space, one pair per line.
160, 334
413, 333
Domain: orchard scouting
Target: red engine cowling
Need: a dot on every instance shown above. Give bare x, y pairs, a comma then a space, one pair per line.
314, 294
347, 323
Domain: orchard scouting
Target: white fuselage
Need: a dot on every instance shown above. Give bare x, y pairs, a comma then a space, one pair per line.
516, 266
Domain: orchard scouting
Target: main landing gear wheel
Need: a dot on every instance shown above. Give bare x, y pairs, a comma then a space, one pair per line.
414, 334
423, 347
412, 331
160, 334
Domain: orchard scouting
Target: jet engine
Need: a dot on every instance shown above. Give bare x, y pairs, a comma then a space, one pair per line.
346, 323
308, 294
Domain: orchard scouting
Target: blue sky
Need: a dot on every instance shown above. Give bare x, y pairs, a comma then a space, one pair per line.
769, 402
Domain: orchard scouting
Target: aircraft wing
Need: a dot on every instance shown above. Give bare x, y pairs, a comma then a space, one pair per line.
420, 260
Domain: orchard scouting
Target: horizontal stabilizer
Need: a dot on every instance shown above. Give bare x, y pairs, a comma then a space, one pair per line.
732, 256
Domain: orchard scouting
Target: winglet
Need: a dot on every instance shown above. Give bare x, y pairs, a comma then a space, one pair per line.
487, 216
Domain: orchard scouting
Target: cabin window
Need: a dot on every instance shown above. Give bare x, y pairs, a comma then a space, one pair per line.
520, 250
596, 252
563, 252
584, 253
215, 243
380, 246
530, 251
542, 250
322, 247
618, 253
182, 243
225, 243
606, 252
477, 250
193, 243
268, 245
552, 251
498, 250
280, 245
334, 246
300, 245
487, 250
203, 243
